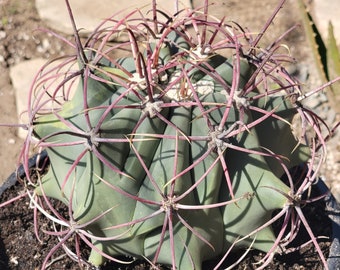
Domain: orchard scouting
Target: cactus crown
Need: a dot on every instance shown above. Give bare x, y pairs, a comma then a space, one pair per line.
174, 151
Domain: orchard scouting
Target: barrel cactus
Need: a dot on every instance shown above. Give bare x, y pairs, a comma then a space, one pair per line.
172, 152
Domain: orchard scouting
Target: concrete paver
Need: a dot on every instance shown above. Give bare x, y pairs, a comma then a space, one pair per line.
89, 13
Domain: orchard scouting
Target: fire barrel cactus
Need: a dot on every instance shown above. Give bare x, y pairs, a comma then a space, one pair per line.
173, 151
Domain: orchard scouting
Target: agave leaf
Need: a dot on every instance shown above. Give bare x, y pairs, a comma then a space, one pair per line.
319, 51
333, 56
315, 40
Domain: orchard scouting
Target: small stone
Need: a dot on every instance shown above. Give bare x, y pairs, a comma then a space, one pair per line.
45, 43
2, 34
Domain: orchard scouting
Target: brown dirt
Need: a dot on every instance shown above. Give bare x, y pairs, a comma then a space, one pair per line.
19, 42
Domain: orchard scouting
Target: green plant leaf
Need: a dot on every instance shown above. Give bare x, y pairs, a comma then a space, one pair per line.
333, 56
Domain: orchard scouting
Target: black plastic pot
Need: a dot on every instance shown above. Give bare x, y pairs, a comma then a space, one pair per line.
20, 172
333, 211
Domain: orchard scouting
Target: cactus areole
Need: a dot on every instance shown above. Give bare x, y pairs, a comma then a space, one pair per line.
173, 153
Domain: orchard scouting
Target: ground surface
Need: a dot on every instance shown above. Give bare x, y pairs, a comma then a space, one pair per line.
19, 42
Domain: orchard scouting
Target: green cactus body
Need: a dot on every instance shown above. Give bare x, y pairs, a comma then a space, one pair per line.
142, 175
